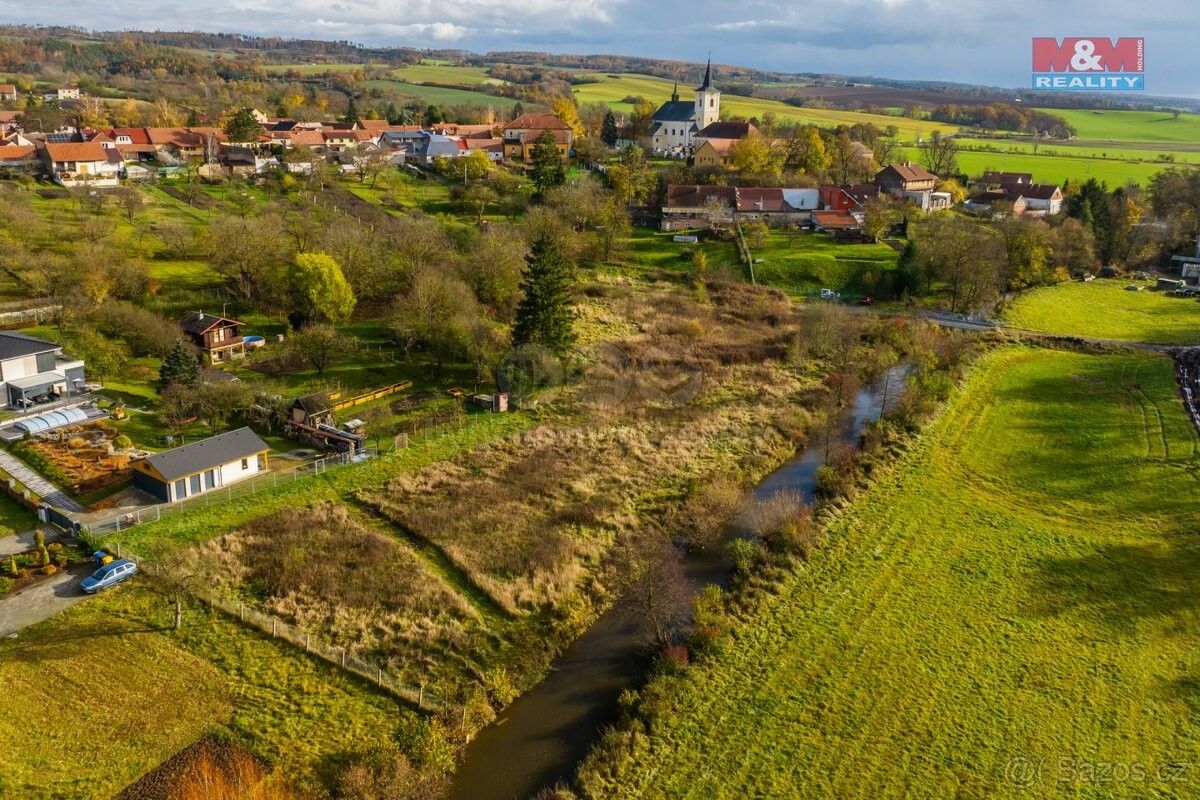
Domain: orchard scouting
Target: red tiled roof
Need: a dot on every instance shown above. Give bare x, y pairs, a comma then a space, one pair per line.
694, 196
720, 145
750, 199
17, 152
834, 220
909, 171
76, 151
136, 135
727, 130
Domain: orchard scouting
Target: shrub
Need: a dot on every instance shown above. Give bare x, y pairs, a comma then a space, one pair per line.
39, 539
12, 566
44, 555
122, 442
746, 555
49, 569
6, 585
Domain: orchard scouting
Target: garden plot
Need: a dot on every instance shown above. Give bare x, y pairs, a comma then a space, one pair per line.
82, 458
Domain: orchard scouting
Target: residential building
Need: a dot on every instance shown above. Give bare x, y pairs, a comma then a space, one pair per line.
711, 153
700, 206
1041, 199
34, 370
8, 93
676, 122
905, 177
61, 94
724, 130
522, 133
80, 164
218, 338
18, 159
203, 466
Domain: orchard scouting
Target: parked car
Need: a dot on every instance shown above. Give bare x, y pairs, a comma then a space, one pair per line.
830, 294
866, 300
109, 575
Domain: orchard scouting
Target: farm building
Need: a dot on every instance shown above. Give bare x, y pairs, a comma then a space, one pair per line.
202, 466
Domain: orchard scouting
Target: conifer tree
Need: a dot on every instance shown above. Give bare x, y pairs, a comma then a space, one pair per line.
608, 131
548, 170
544, 315
180, 366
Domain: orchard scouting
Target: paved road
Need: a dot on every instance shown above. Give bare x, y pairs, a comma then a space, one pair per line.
20, 542
44, 489
42, 600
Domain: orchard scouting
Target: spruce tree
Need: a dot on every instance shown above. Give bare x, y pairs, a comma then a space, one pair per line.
179, 366
351, 112
608, 131
544, 315
517, 109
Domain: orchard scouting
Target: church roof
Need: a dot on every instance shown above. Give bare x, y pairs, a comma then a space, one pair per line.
707, 84
675, 111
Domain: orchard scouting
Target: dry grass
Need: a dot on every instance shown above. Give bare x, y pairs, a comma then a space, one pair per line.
332, 575
690, 397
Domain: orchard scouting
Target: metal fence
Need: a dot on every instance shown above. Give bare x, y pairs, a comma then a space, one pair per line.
250, 486
338, 656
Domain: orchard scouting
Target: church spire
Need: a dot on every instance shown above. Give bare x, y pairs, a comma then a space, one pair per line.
675, 92
707, 77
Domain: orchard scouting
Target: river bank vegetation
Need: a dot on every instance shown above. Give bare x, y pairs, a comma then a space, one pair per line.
998, 597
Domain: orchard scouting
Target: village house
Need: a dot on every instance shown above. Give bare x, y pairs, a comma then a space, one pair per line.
700, 206
676, 122
909, 181
80, 164
1018, 188
522, 133
1040, 199
34, 370
8, 93
18, 159
713, 153
203, 466
61, 94
724, 130
218, 338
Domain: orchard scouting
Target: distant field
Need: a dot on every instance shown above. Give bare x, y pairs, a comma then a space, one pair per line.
1059, 169
1105, 309
1010, 610
436, 73
1131, 126
613, 89
443, 96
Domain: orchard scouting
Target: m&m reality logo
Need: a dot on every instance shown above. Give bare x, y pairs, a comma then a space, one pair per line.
1094, 63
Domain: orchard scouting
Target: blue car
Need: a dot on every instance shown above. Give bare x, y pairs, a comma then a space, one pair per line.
109, 575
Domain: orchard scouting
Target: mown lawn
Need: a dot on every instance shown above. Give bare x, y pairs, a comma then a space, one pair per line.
1106, 309
805, 263
1015, 602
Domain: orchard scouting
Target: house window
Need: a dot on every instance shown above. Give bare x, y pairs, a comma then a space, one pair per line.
245, 463
210, 480
180, 489
195, 484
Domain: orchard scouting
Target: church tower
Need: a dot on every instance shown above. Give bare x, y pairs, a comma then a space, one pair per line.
708, 100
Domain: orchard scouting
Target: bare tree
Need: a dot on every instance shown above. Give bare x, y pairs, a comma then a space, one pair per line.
652, 583
939, 154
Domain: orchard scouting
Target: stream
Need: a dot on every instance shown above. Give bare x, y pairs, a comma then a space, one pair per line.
541, 737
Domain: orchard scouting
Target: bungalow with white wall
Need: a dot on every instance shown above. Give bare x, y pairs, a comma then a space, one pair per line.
80, 164
203, 466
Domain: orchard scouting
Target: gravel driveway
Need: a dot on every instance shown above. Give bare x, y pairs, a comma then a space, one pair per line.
42, 600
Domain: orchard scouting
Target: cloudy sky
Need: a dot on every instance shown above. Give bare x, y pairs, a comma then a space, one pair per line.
977, 41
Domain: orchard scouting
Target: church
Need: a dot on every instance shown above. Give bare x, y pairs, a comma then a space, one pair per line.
675, 124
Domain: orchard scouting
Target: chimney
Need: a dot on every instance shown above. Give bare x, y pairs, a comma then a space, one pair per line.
200, 315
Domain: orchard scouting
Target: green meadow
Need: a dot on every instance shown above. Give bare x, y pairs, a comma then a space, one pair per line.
1131, 126
1105, 309
613, 89
1005, 612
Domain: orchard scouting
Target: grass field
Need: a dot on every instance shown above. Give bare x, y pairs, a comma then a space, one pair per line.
1014, 603
1131, 126
115, 692
1059, 169
810, 262
612, 89
426, 72
442, 95
1105, 309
